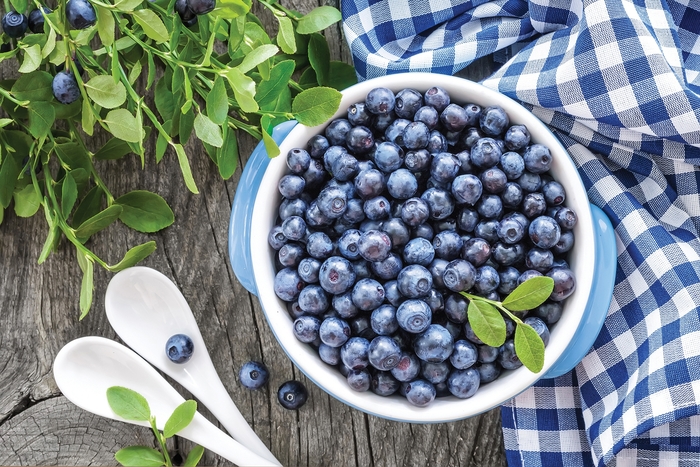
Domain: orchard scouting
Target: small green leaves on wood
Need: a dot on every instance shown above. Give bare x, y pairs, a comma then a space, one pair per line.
208, 131
128, 404
181, 417
134, 256
318, 19
152, 25
139, 456
316, 105
105, 92
98, 222
144, 211
194, 456
123, 125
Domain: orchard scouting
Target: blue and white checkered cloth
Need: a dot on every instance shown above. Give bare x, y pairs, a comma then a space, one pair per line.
622, 79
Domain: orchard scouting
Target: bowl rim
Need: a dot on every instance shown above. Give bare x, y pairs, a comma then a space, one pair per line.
510, 383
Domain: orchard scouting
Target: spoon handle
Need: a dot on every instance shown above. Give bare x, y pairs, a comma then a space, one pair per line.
204, 433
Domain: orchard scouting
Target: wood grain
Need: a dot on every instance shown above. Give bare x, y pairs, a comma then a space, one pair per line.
39, 314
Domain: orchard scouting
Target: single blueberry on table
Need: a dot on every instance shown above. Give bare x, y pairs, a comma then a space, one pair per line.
380, 101
419, 392
407, 102
355, 353
292, 395
179, 348
464, 383
435, 372
464, 355
65, 87
253, 375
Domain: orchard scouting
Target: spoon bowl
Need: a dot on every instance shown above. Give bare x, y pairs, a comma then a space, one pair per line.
85, 368
145, 309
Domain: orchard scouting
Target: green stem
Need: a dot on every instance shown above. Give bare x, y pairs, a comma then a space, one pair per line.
161, 441
93, 172
495, 303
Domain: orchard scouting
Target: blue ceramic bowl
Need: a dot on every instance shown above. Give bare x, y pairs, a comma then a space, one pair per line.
593, 260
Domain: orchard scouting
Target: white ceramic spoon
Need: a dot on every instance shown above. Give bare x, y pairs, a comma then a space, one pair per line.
85, 368
145, 309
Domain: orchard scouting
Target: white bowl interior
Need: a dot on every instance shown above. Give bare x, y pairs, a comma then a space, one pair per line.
396, 407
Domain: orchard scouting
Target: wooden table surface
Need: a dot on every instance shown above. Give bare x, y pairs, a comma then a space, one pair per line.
39, 315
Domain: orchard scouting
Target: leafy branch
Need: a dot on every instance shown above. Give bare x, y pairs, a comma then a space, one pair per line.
487, 322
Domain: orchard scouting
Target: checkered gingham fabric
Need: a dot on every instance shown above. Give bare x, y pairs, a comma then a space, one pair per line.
618, 81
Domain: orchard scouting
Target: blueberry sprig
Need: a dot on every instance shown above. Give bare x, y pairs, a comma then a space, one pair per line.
488, 324
69, 87
130, 405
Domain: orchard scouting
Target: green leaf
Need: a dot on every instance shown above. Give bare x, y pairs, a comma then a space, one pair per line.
318, 19
285, 35
320, 57
127, 5
139, 456
98, 222
316, 105
123, 125
86, 288
134, 256
50, 44
90, 205
32, 59
145, 211
243, 89
19, 5
105, 25
105, 92
27, 201
34, 86
87, 117
9, 171
194, 456
217, 102
269, 89
487, 322
529, 347
257, 56
186, 125
113, 149
185, 168
530, 294
69, 194
227, 154
135, 72
181, 417
41, 118
270, 145
230, 9
73, 155
152, 25
165, 102
5, 121
208, 131
341, 75
54, 233
128, 404
58, 55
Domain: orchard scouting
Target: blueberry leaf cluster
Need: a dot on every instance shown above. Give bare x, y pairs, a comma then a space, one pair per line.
488, 324
165, 71
130, 405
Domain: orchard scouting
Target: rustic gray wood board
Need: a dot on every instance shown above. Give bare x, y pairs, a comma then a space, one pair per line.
39, 314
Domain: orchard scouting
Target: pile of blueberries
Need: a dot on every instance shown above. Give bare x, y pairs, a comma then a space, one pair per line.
395, 210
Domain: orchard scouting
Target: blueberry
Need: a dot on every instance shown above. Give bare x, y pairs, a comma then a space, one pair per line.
490, 206
507, 357
487, 279
336, 132
487, 354
459, 275
315, 218
388, 156
397, 230
15, 24
179, 348
467, 189
367, 294
517, 137
420, 392
539, 326
394, 132
292, 395
435, 372
383, 320
334, 332
464, 355
494, 180
469, 137
319, 245
402, 184
332, 202
407, 102
435, 344
419, 251
328, 354
456, 308
348, 244
511, 229
317, 146
415, 135
511, 196
417, 161
380, 122
472, 111
564, 283
427, 115
444, 167
440, 202
358, 115
528, 274
544, 232
374, 245
464, 383
80, 14
512, 165
369, 183
367, 224
276, 237
201, 7
359, 140
392, 294
549, 312
359, 380
294, 228
36, 20
485, 153
315, 175
470, 335
298, 161
415, 211
566, 218
437, 268
537, 158
476, 250
436, 142
539, 259
425, 231
384, 353
554, 193
508, 280
437, 97
253, 375
288, 284
534, 205
407, 368
380, 101
65, 87
355, 211
383, 383
414, 281
529, 181
414, 316
344, 305
467, 219
313, 299
336, 275
389, 268
344, 168
565, 243
487, 229
290, 186
377, 208
355, 353
308, 270
434, 300
447, 244
292, 207
493, 120
488, 372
